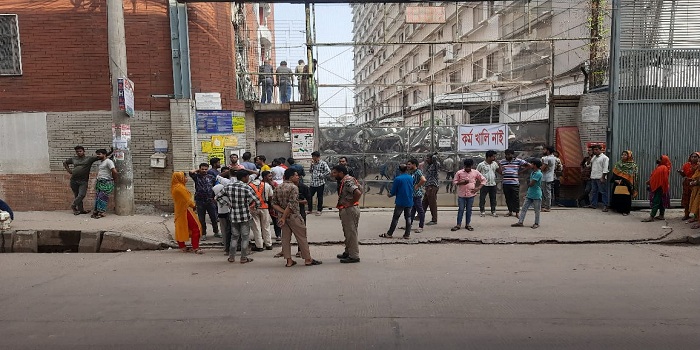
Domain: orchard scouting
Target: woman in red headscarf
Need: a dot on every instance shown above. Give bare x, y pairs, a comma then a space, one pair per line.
687, 172
659, 189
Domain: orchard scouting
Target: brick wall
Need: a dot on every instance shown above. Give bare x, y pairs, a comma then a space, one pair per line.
65, 58
92, 130
213, 55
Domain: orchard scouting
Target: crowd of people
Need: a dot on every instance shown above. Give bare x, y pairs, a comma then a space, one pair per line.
283, 78
248, 199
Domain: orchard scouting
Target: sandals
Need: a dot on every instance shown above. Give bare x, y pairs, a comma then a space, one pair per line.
534, 226
278, 255
385, 235
695, 226
246, 260
469, 228
186, 250
231, 260
406, 237
298, 255
456, 228
97, 215
314, 262
418, 230
198, 251
648, 220
293, 263
660, 218
517, 224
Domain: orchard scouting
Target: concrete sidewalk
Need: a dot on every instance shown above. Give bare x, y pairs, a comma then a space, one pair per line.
562, 225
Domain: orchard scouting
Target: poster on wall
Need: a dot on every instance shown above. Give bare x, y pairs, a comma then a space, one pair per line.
214, 122
482, 137
302, 142
238, 122
126, 95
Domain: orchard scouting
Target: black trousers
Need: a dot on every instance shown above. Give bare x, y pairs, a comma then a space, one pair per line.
512, 194
318, 191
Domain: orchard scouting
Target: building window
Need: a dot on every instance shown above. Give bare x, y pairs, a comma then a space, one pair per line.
492, 64
10, 52
491, 6
478, 14
477, 70
528, 104
455, 80
416, 96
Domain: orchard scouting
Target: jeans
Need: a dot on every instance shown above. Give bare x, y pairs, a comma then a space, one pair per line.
79, 188
239, 230
512, 194
418, 208
430, 201
596, 188
285, 92
395, 220
465, 203
266, 91
318, 191
537, 204
491, 192
225, 227
546, 194
204, 208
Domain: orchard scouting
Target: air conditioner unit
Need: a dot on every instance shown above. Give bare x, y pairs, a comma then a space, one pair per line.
423, 68
414, 77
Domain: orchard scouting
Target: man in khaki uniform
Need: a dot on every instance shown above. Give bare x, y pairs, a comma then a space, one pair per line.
349, 194
285, 201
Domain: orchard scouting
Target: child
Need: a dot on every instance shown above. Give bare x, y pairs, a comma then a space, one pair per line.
534, 195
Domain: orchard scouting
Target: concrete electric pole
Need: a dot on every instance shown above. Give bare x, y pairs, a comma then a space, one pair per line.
124, 189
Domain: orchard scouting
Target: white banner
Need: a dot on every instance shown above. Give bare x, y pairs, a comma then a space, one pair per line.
482, 137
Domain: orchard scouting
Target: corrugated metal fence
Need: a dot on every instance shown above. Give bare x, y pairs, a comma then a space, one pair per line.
656, 83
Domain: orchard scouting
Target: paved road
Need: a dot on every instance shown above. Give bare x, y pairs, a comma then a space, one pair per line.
445, 296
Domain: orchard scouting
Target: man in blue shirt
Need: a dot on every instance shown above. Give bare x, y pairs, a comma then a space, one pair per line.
403, 190
534, 194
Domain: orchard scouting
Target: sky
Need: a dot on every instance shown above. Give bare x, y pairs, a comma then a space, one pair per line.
333, 24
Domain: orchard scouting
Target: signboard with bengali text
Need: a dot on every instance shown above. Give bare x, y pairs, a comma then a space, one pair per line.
482, 137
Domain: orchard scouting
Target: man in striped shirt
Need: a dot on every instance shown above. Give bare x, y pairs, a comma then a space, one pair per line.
510, 168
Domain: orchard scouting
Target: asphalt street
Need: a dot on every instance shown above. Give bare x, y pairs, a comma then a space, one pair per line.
441, 296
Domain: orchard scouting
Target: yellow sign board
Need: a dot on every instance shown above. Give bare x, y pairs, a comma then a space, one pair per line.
206, 147
238, 125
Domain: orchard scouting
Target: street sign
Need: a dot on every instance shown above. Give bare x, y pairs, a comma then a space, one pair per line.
425, 14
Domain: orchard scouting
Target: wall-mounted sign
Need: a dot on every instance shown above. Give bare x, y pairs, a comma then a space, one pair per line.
425, 14
483, 137
214, 122
207, 101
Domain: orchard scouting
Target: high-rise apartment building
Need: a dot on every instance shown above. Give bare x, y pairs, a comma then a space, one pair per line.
488, 62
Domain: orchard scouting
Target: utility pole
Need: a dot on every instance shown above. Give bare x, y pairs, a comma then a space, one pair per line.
432, 116
310, 55
124, 189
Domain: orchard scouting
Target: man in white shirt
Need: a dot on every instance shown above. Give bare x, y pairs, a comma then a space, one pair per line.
277, 172
549, 164
599, 177
488, 168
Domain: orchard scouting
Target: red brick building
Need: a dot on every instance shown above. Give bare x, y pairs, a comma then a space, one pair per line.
61, 97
